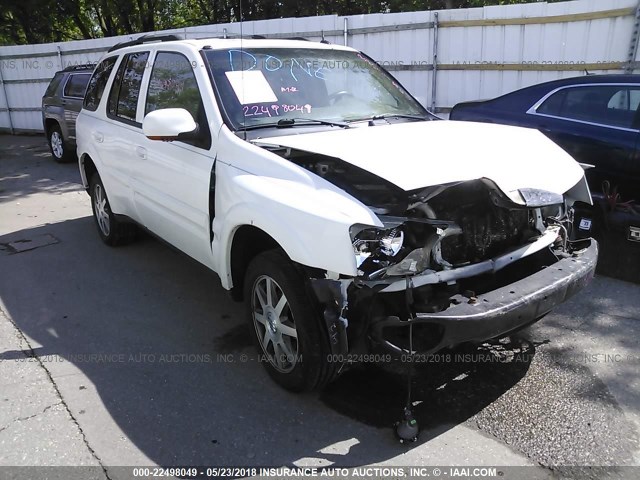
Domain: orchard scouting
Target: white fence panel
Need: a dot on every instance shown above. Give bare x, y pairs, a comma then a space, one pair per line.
481, 52
545, 46
399, 49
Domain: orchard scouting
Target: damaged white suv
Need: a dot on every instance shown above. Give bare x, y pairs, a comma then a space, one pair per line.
329, 199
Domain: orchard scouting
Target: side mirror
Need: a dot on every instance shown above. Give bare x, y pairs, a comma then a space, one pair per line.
168, 124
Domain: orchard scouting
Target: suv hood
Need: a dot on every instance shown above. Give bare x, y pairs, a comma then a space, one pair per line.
415, 155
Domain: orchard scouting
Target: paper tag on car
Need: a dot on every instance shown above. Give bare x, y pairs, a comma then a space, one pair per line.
585, 224
250, 86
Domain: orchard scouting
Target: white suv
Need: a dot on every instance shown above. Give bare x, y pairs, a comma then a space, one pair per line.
348, 218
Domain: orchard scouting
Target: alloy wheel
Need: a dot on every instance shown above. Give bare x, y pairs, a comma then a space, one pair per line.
101, 210
56, 144
274, 324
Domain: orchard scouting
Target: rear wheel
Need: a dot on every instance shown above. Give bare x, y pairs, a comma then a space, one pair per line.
286, 325
111, 230
58, 146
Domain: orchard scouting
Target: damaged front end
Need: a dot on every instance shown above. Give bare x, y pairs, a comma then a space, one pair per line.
462, 262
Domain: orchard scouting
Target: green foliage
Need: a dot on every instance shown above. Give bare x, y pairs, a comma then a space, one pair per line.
42, 21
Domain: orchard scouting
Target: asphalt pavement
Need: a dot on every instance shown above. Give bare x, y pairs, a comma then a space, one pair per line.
136, 356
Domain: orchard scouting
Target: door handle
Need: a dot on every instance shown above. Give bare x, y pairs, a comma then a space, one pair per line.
98, 137
142, 152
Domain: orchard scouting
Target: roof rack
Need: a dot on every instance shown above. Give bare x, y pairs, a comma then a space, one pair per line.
233, 36
73, 68
145, 39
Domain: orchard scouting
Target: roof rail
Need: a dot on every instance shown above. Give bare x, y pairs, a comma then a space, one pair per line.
145, 39
86, 66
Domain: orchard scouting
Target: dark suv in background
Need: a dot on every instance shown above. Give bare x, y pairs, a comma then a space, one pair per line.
61, 104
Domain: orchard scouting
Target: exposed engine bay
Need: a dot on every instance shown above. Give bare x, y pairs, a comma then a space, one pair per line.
437, 228
444, 228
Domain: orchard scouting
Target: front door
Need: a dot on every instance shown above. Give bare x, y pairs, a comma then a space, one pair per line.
172, 180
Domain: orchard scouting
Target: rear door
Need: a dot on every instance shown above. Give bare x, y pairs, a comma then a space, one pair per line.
121, 130
72, 98
172, 181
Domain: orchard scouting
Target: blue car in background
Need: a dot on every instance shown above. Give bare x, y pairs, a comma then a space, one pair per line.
595, 118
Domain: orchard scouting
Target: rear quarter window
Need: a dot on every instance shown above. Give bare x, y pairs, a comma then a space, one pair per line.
553, 105
53, 85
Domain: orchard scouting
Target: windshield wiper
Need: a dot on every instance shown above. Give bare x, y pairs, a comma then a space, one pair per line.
399, 115
286, 122
290, 122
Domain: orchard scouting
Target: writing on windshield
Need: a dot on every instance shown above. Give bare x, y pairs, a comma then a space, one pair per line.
256, 85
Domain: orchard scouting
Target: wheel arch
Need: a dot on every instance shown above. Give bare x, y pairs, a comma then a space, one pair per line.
87, 169
247, 242
49, 123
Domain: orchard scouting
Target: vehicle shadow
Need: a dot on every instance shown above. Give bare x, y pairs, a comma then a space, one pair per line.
166, 351
39, 174
448, 388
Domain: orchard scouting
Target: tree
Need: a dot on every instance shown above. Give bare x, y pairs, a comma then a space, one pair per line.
40, 21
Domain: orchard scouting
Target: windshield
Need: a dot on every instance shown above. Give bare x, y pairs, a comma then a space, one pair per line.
261, 86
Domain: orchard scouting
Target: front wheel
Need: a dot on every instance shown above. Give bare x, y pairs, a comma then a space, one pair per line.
286, 325
112, 231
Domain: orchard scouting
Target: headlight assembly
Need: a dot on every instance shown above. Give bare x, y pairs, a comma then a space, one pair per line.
400, 249
383, 243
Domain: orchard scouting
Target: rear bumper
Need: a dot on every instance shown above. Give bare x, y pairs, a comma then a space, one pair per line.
503, 310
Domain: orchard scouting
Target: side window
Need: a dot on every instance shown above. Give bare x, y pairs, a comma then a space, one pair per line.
634, 99
622, 107
553, 104
627, 99
602, 104
620, 101
76, 85
173, 85
585, 103
53, 86
98, 83
123, 98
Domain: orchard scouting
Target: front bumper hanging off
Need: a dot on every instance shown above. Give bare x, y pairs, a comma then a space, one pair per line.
501, 311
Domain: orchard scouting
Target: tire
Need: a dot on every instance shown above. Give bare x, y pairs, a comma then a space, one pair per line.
58, 145
293, 328
112, 231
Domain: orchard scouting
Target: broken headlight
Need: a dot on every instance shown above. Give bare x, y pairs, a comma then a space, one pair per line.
375, 245
407, 248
